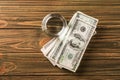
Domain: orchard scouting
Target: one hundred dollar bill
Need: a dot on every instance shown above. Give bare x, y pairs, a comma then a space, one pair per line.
50, 48
76, 41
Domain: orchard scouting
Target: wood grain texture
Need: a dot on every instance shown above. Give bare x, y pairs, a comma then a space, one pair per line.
21, 39
37, 64
58, 77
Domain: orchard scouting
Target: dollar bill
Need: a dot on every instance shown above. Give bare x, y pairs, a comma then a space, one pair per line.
47, 47
50, 47
73, 47
53, 52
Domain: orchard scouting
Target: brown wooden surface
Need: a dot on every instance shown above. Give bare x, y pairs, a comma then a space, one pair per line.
21, 39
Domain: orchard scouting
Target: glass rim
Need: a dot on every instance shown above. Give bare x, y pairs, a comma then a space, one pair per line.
47, 18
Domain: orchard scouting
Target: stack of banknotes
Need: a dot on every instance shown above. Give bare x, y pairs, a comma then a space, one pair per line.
66, 51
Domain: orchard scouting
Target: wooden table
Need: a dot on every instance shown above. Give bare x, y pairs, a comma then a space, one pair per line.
21, 39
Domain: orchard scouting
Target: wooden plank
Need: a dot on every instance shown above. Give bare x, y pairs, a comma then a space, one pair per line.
39, 56
22, 16
35, 22
37, 64
21, 40
29, 40
59, 77
10, 21
37, 9
68, 9
61, 3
